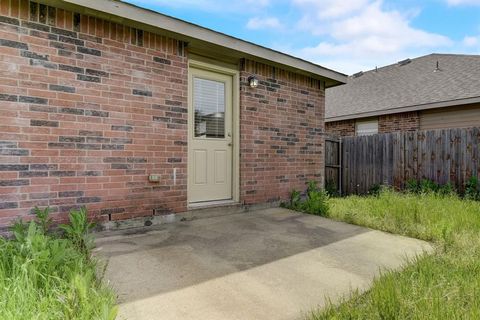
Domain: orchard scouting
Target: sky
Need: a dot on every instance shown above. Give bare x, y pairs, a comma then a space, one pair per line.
344, 35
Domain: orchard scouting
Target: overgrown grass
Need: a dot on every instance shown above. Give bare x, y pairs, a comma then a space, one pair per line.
44, 276
445, 285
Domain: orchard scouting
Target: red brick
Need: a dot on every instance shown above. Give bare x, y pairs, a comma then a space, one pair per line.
60, 18
343, 128
24, 9
407, 121
44, 181
266, 174
5, 7
68, 20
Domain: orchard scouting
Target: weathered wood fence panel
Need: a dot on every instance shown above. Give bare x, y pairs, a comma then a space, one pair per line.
333, 163
447, 155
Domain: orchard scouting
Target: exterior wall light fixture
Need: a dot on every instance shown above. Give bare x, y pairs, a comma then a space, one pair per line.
253, 81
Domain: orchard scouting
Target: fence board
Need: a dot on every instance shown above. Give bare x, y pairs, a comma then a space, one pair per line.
475, 152
445, 155
333, 166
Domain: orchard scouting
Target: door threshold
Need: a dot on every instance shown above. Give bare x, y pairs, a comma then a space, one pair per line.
212, 204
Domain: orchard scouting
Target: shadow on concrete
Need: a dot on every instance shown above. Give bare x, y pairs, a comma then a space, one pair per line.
143, 263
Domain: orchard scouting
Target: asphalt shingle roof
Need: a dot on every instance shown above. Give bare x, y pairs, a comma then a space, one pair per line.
400, 86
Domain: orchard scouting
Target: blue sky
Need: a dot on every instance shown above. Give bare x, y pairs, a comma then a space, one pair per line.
344, 35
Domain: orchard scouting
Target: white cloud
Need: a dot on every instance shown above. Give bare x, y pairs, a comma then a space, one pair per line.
330, 8
260, 3
368, 34
470, 41
262, 23
463, 2
349, 36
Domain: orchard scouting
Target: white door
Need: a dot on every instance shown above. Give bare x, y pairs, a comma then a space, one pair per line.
210, 136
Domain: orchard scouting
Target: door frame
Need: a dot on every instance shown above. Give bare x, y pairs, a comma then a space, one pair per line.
207, 64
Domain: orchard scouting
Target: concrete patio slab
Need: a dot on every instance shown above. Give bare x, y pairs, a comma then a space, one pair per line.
268, 264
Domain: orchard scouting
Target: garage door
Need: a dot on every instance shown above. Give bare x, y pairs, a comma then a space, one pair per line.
453, 117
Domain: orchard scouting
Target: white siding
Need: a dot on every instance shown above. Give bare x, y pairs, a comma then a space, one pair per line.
454, 117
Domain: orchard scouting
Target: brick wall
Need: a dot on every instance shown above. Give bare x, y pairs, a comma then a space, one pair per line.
407, 121
281, 133
89, 108
343, 128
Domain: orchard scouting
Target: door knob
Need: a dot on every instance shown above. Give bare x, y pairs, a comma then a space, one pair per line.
229, 144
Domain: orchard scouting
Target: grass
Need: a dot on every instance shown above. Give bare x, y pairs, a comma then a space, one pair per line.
44, 276
445, 285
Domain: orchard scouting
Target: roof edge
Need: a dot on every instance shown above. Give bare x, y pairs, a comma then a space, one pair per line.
426, 106
183, 28
379, 69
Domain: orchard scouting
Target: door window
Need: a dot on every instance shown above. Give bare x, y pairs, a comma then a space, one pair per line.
209, 105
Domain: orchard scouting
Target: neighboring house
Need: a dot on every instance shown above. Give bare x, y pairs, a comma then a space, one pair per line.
133, 113
430, 92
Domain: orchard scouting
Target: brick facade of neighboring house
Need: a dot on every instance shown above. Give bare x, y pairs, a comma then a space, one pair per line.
344, 128
406, 121
90, 108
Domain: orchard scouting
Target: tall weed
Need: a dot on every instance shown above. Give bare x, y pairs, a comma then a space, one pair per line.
44, 276
79, 230
315, 201
472, 189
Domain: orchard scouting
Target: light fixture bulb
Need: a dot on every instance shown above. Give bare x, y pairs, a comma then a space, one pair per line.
253, 82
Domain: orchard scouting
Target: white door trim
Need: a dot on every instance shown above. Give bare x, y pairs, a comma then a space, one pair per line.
198, 62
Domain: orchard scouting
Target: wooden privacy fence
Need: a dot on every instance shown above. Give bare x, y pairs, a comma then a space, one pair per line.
447, 155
